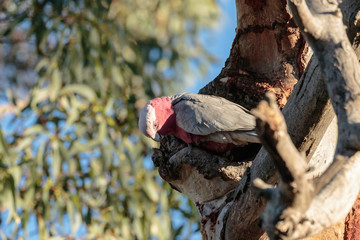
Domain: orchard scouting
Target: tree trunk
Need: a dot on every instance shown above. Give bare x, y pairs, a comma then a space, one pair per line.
268, 54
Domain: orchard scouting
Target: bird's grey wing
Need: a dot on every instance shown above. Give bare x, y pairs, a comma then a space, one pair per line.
204, 114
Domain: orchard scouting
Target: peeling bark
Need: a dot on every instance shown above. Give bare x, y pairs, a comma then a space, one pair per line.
268, 54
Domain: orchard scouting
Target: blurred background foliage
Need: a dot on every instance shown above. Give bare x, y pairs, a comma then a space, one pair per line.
73, 76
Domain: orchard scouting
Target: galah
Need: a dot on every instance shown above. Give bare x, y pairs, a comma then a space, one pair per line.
208, 121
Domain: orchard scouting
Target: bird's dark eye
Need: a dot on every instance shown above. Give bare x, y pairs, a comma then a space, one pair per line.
156, 124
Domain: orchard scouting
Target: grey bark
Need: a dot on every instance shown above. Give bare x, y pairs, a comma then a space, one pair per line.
301, 207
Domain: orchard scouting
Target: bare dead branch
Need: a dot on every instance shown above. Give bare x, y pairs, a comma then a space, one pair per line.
308, 23
340, 66
272, 130
289, 213
287, 203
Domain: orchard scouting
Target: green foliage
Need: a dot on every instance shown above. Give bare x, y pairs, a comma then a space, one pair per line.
78, 71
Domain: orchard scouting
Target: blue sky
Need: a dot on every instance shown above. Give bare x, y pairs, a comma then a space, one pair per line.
218, 42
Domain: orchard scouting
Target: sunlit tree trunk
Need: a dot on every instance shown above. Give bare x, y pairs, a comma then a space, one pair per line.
268, 54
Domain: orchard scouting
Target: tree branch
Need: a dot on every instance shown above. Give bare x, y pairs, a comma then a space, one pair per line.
272, 131
342, 73
295, 191
293, 208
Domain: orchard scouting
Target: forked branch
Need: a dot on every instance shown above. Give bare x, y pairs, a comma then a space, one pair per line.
300, 207
342, 74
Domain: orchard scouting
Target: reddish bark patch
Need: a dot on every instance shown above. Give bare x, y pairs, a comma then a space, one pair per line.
213, 218
255, 4
352, 222
335, 232
303, 58
200, 207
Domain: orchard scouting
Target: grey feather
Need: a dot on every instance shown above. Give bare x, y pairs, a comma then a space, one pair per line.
204, 114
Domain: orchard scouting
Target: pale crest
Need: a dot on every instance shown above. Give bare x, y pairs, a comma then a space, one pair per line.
146, 119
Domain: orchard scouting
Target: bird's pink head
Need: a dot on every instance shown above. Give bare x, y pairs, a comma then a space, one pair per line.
154, 116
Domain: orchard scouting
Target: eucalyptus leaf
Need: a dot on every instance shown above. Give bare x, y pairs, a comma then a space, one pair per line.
34, 130
81, 89
8, 197
151, 189
24, 143
55, 84
56, 159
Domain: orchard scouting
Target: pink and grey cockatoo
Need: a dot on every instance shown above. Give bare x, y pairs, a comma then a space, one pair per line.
208, 121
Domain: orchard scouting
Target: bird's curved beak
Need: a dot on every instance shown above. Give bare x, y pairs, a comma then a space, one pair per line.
157, 137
